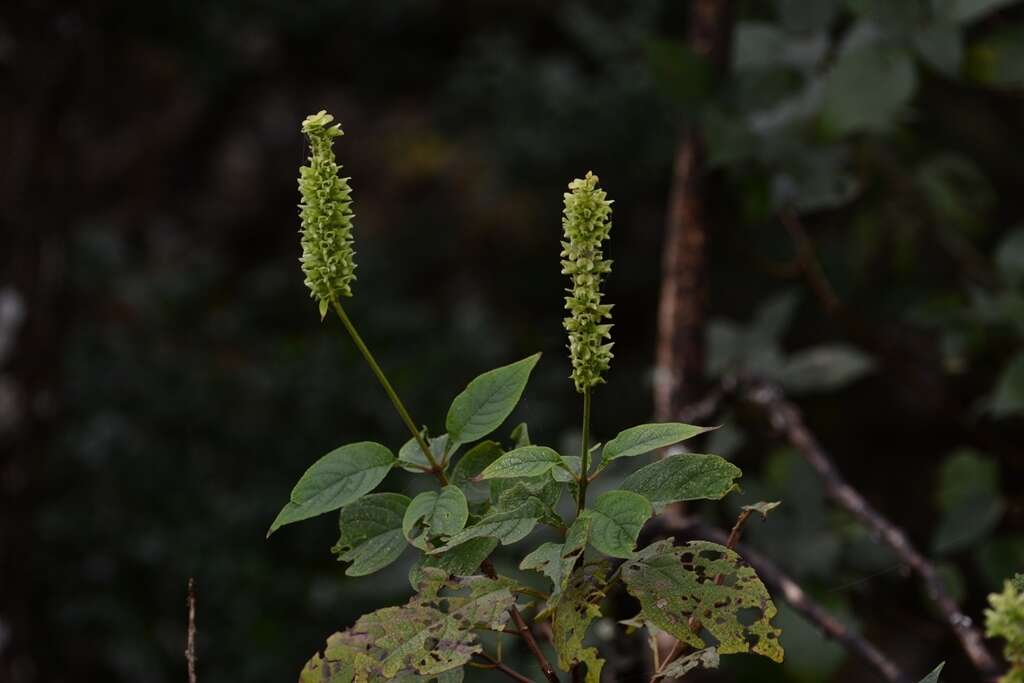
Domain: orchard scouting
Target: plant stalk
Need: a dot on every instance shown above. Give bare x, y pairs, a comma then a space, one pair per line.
581, 499
389, 390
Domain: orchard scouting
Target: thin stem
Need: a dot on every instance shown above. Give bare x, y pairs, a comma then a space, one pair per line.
581, 500
190, 645
499, 666
390, 391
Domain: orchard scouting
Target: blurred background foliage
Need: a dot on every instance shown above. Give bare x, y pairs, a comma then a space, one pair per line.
164, 378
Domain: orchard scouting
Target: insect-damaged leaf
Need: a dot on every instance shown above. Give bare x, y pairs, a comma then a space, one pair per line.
556, 560
674, 584
487, 401
432, 514
429, 636
701, 659
576, 608
335, 480
371, 533
691, 476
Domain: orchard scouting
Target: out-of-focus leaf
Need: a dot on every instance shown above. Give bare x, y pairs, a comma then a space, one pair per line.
691, 476
335, 480
968, 10
824, 368
969, 500
997, 60
957, 191
868, 89
1008, 397
1010, 257
1000, 557
487, 401
675, 583
941, 45
805, 16
371, 532
679, 72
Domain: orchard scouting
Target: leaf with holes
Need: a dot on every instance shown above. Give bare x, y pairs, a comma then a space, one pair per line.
435, 515
371, 533
617, 518
487, 401
650, 437
691, 476
556, 560
507, 526
675, 584
577, 607
701, 659
528, 461
335, 480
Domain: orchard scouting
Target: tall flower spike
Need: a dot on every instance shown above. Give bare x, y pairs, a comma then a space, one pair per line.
326, 214
586, 221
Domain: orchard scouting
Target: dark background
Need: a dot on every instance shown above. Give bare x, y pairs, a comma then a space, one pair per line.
164, 378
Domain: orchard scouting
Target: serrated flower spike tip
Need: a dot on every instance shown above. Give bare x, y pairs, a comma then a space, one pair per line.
586, 221
326, 214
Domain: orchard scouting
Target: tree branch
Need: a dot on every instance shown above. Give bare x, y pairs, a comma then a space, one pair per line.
499, 666
786, 419
190, 643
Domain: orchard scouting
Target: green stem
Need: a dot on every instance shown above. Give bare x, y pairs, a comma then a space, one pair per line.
392, 394
581, 500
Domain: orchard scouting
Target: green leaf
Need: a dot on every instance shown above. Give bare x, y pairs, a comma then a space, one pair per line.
941, 45
438, 514
824, 368
617, 518
868, 89
1008, 396
507, 494
371, 533
462, 560
577, 607
969, 499
410, 455
506, 526
487, 401
335, 480
468, 469
649, 437
521, 435
570, 470
1010, 257
528, 461
690, 476
556, 560
429, 636
933, 677
674, 584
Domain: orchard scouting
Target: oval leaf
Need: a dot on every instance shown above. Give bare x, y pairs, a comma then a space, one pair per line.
650, 437
528, 461
335, 480
508, 527
617, 517
691, 476
443, 514
371, 533
487, 401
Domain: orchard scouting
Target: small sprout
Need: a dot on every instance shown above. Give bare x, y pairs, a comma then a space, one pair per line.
326, 213
586, 222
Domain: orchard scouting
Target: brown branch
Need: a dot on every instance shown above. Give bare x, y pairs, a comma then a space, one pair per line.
786, 419
524, 630
497, 665
809, 264
190, 643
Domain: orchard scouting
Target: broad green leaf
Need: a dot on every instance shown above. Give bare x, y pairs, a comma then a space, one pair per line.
506, 526
933, 677
507, 494
569, 472
556, 560
690, 476
521, 435
674, 584
617, 518
371, 532
462, 560
487, 401
528, 461
577, 607
431, 635
701, 659
335, 480
438, 514
868, 89
469, 467
410, 455
649, 437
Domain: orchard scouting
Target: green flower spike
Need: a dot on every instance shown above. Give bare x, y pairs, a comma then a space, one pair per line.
326, 213
1006, 620
586, 221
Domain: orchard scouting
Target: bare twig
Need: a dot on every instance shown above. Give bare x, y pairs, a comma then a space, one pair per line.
497, 665
524, 630
786, 419
190, 642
